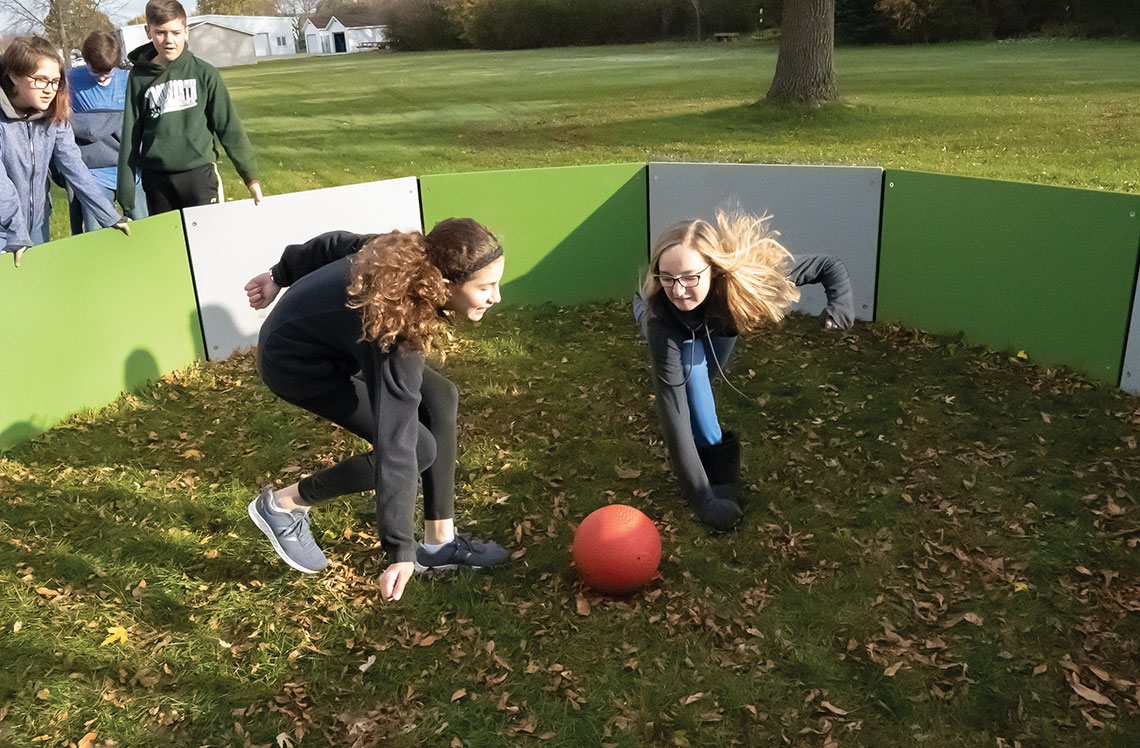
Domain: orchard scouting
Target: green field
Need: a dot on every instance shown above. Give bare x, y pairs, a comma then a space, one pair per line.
1050, 112
939, 546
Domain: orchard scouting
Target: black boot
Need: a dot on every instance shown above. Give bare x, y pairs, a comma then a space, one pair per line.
717, 512
722, 466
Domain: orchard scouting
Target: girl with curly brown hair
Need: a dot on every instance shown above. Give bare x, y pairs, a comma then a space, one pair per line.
348, 342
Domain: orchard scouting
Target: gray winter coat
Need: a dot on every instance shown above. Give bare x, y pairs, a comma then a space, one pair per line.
29, 145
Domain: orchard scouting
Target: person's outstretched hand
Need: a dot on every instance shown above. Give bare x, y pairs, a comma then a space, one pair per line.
122, 226
261, 290
394, 579
255, 192
18, 255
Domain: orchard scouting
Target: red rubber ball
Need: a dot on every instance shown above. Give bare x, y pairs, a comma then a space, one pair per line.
617, 550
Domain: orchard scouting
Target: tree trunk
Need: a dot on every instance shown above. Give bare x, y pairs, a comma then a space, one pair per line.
804, 72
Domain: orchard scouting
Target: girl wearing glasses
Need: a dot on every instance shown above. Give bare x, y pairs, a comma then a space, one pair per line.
35, 136
706, 284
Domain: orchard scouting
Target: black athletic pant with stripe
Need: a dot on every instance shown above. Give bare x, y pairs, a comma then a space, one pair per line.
172, 190
348, 407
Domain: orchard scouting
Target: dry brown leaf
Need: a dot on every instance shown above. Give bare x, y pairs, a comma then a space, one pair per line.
889, 672
1090, 694
973, 618
429, 640
626, 473
88, 740
1040, 668
1102, 674
833, 709
459, 694
695, 697
582, 605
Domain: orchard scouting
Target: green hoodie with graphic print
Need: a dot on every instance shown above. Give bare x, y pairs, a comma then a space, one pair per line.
172, 115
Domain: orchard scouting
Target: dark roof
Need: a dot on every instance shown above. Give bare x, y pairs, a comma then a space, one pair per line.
353, 20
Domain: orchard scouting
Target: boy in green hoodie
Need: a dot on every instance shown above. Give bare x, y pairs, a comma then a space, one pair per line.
176, 105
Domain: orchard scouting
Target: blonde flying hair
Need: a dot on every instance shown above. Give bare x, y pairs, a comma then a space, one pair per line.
750, 283
400, 281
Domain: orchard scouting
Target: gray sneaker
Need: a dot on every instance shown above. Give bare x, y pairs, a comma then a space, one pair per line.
463, 551
289, 534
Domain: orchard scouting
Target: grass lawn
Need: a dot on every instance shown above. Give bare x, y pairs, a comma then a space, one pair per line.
939, 546
1051, 112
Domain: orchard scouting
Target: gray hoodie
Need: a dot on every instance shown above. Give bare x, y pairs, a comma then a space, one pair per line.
28, 146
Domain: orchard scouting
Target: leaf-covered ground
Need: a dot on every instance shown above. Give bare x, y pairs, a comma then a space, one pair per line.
939, 548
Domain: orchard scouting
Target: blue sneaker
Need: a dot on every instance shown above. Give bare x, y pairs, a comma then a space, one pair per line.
289, 534
462, 551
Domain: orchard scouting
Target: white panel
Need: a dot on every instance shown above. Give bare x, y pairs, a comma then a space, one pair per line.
831, 210
233, 242
1130, 374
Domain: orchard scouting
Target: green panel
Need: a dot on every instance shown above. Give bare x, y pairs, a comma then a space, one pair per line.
88, 317
1048, 270
570, 235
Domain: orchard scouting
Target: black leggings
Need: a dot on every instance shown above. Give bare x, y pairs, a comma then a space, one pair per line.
348, 407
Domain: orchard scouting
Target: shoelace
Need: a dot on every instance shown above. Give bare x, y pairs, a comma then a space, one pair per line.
295, 529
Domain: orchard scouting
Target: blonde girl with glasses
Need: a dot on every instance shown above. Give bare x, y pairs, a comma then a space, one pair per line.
708, 282
36, 136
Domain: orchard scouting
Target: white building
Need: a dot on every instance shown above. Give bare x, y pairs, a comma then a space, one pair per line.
330, 34
271, 36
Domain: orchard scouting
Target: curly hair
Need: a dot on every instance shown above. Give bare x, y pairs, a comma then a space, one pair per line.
750, 283
400, 281
22, 56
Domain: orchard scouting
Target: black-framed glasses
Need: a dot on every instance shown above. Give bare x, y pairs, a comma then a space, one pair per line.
44, 83
688, 280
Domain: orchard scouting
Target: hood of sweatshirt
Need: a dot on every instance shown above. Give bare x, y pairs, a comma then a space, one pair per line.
10, 112
144, 60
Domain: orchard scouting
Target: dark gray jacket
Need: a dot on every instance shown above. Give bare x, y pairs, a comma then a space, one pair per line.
311, 343
666, 328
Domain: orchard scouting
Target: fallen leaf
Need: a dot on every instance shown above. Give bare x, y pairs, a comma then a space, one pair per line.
694, 697
973, 618
429, 640
833, 709
459, 694
627, 473
582, 605
284, 741
87, 740
43, 694
1045, 417
1040, 668
1088, 693
17, 626
117, 634
889, 672
368, 663
1022, 355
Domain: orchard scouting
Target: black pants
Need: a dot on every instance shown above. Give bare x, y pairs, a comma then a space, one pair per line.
181, 189
349, 408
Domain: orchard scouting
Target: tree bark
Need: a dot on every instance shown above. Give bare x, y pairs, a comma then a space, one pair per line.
804, 73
